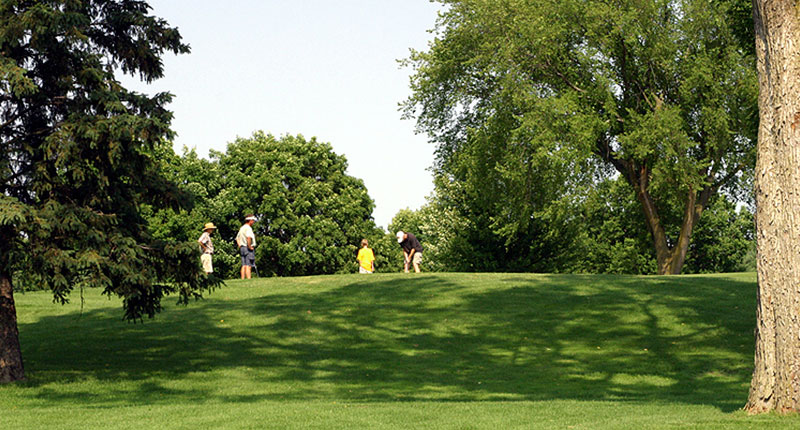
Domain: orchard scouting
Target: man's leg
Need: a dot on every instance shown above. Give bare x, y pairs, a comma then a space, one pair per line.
250, 261
243, 256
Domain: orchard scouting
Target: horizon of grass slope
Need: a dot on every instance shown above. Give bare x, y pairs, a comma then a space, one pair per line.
398, 351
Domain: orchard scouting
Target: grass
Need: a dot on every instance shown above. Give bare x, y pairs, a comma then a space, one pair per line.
438, 351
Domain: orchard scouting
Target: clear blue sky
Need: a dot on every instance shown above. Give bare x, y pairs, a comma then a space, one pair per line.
320, 68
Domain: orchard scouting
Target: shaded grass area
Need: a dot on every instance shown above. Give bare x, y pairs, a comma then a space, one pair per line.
433, 350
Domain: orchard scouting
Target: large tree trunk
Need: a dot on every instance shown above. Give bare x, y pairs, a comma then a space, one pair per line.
10, 353
776, 378
669, 259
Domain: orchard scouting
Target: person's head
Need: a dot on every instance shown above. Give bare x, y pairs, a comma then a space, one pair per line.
250, 219
209, 227
364, 243
401, 236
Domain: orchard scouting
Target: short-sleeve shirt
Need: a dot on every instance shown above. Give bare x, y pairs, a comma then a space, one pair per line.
205, 239
245, 232
410, 243
365, 258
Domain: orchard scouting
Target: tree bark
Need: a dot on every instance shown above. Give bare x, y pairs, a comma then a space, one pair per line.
11, 368
669, 259
776, 377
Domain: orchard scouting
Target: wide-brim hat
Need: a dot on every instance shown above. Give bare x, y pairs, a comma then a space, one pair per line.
209, 226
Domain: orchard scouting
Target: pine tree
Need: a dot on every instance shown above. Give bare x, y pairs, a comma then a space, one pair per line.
77, 159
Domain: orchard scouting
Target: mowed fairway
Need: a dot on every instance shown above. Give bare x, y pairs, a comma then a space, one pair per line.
434, 351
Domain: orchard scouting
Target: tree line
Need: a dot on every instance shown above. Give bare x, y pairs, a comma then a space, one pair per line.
312, 216
602, 232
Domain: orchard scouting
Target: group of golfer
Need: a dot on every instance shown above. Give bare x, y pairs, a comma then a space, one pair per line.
246, 242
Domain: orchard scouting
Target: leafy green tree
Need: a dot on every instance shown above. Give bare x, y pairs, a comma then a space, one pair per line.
311, 214
409, 221
77, 160
529, 101
458, 233
614, 237
217, 192
200, 179
388, 256
724, 240
441, 228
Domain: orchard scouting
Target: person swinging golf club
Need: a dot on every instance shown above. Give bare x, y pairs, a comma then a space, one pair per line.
412, 250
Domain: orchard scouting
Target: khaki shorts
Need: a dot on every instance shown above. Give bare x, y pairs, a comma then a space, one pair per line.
417, 258
206, 260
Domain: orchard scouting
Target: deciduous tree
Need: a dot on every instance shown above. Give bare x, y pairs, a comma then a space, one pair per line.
525, 99
311, 214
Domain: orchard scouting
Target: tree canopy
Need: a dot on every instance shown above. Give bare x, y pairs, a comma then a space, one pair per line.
78, 159
530, 103
311, 214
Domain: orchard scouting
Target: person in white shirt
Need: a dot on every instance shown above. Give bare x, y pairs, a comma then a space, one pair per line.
246, 241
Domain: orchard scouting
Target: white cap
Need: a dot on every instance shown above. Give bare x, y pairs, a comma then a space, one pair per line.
250, 218
400, 236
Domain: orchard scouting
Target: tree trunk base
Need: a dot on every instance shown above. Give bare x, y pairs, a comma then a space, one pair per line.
11, 368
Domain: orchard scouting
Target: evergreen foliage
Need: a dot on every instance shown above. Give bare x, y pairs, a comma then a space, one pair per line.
78, 154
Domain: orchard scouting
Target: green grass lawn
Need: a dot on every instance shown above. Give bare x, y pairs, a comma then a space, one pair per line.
434, 351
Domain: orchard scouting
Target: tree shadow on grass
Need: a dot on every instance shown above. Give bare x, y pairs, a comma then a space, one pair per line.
432, 337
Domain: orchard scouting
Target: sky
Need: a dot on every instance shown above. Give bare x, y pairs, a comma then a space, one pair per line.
320, 68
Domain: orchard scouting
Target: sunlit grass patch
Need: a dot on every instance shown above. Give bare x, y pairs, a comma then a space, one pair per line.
400, 351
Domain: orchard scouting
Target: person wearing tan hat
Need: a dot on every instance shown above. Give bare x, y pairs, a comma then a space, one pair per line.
246, 240
207, 247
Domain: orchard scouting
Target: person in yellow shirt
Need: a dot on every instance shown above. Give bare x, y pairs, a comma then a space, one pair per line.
366, 258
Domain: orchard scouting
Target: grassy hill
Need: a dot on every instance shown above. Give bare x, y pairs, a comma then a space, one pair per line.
442, 351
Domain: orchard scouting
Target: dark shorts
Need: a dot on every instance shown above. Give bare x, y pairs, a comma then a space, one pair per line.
248, 256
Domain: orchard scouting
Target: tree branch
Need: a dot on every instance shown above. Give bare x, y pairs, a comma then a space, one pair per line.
563, 78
